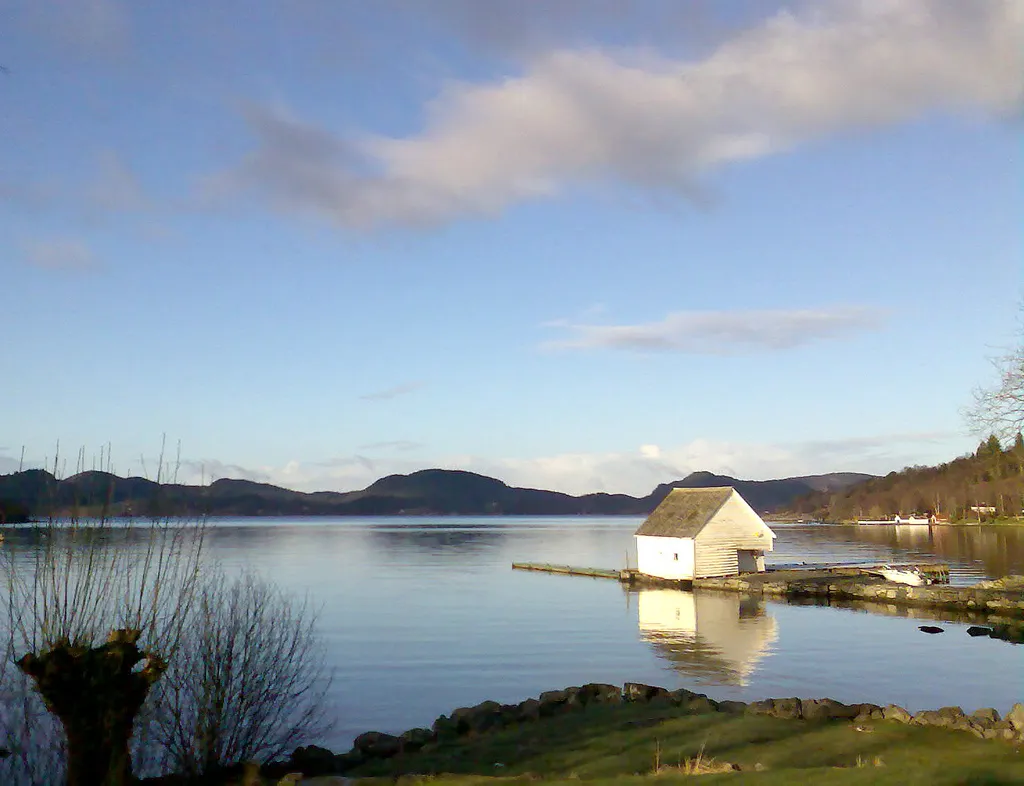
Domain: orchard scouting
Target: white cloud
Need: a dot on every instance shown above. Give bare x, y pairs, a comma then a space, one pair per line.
393, 392
720, 332
578, 116
60, 254
634, 472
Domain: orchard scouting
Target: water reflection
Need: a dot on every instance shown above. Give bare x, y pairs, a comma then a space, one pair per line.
717, 638
973, 552
436, 537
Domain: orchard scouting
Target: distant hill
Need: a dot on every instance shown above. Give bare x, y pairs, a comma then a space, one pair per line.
991, 478
762, 495
429, 491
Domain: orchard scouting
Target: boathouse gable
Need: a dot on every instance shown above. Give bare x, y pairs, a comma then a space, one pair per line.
698, 533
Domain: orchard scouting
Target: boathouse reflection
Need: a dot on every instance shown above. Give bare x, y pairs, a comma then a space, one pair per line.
711, 637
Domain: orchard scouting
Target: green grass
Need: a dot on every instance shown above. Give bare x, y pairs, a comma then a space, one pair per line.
647, 744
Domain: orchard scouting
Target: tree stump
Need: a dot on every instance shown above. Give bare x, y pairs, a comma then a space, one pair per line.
96, 693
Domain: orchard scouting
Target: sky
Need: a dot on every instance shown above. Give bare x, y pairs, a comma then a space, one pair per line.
581, 245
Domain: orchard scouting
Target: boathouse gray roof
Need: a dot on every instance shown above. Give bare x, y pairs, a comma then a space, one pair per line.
685, 512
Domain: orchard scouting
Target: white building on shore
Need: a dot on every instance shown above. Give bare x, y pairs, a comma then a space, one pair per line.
698, 533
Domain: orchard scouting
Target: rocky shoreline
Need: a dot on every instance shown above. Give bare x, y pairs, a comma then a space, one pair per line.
986, 723
1004, 597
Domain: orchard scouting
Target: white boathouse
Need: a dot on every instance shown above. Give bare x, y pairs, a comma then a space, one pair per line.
697, 533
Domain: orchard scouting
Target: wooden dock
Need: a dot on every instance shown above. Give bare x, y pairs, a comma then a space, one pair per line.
937, 572
569, 570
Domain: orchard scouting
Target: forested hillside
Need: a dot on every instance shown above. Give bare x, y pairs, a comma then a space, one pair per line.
991, 477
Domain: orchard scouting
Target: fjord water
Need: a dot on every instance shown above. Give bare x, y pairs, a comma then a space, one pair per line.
422, 615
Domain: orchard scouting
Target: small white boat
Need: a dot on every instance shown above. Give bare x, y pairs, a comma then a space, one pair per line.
909, 576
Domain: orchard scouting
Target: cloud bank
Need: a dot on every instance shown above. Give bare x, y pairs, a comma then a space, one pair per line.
578, 116
634, 472
720, 332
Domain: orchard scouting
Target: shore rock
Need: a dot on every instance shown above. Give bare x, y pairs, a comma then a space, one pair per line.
1015, 716
893, 712
478, 718
414, 739
600, 693
527, 711
986, 715
313, 760
377, 744
930, 629
700, 705
979, 630
637, 691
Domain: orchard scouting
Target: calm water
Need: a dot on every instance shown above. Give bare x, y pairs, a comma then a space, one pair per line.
423, 615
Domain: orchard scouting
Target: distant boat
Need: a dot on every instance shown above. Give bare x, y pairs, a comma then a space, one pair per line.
900, 520
909, 576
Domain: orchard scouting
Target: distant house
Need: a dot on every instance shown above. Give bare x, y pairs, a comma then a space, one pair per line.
696, 533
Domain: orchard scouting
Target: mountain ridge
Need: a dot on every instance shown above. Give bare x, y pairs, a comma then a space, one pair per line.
424, 492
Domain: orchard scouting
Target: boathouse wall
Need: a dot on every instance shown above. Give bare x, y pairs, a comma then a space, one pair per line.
735, 527
668, 558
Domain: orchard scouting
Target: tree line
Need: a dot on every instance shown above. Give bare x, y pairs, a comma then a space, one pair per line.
983, 485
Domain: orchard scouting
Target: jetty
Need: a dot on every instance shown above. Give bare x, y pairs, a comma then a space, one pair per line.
570, 570
938, 573
834, 583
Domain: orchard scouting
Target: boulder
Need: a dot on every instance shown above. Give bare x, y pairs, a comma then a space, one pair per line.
414, 739
930, 629
682, 696
700, 705
479, 718
928, 718
527, 711
763, 707
986, 716
313, 760
893, 712
978, 630
553, 697
377, 745
600, 693
637, 691
951, 712
786, 708
552, 701
944, 718
444, 727
1015, 716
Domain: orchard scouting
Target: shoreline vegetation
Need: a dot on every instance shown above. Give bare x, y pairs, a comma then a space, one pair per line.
979, 489
607, 734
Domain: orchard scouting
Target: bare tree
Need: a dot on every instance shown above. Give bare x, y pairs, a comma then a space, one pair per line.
120, 628
249, 681
95, 609
999, 409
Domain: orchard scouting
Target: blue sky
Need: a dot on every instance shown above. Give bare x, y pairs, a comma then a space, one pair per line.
579, 245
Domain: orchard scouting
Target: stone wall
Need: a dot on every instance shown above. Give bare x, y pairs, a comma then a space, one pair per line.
1005, 602
490, 715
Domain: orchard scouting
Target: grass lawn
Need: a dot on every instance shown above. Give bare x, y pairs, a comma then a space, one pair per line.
656, 743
